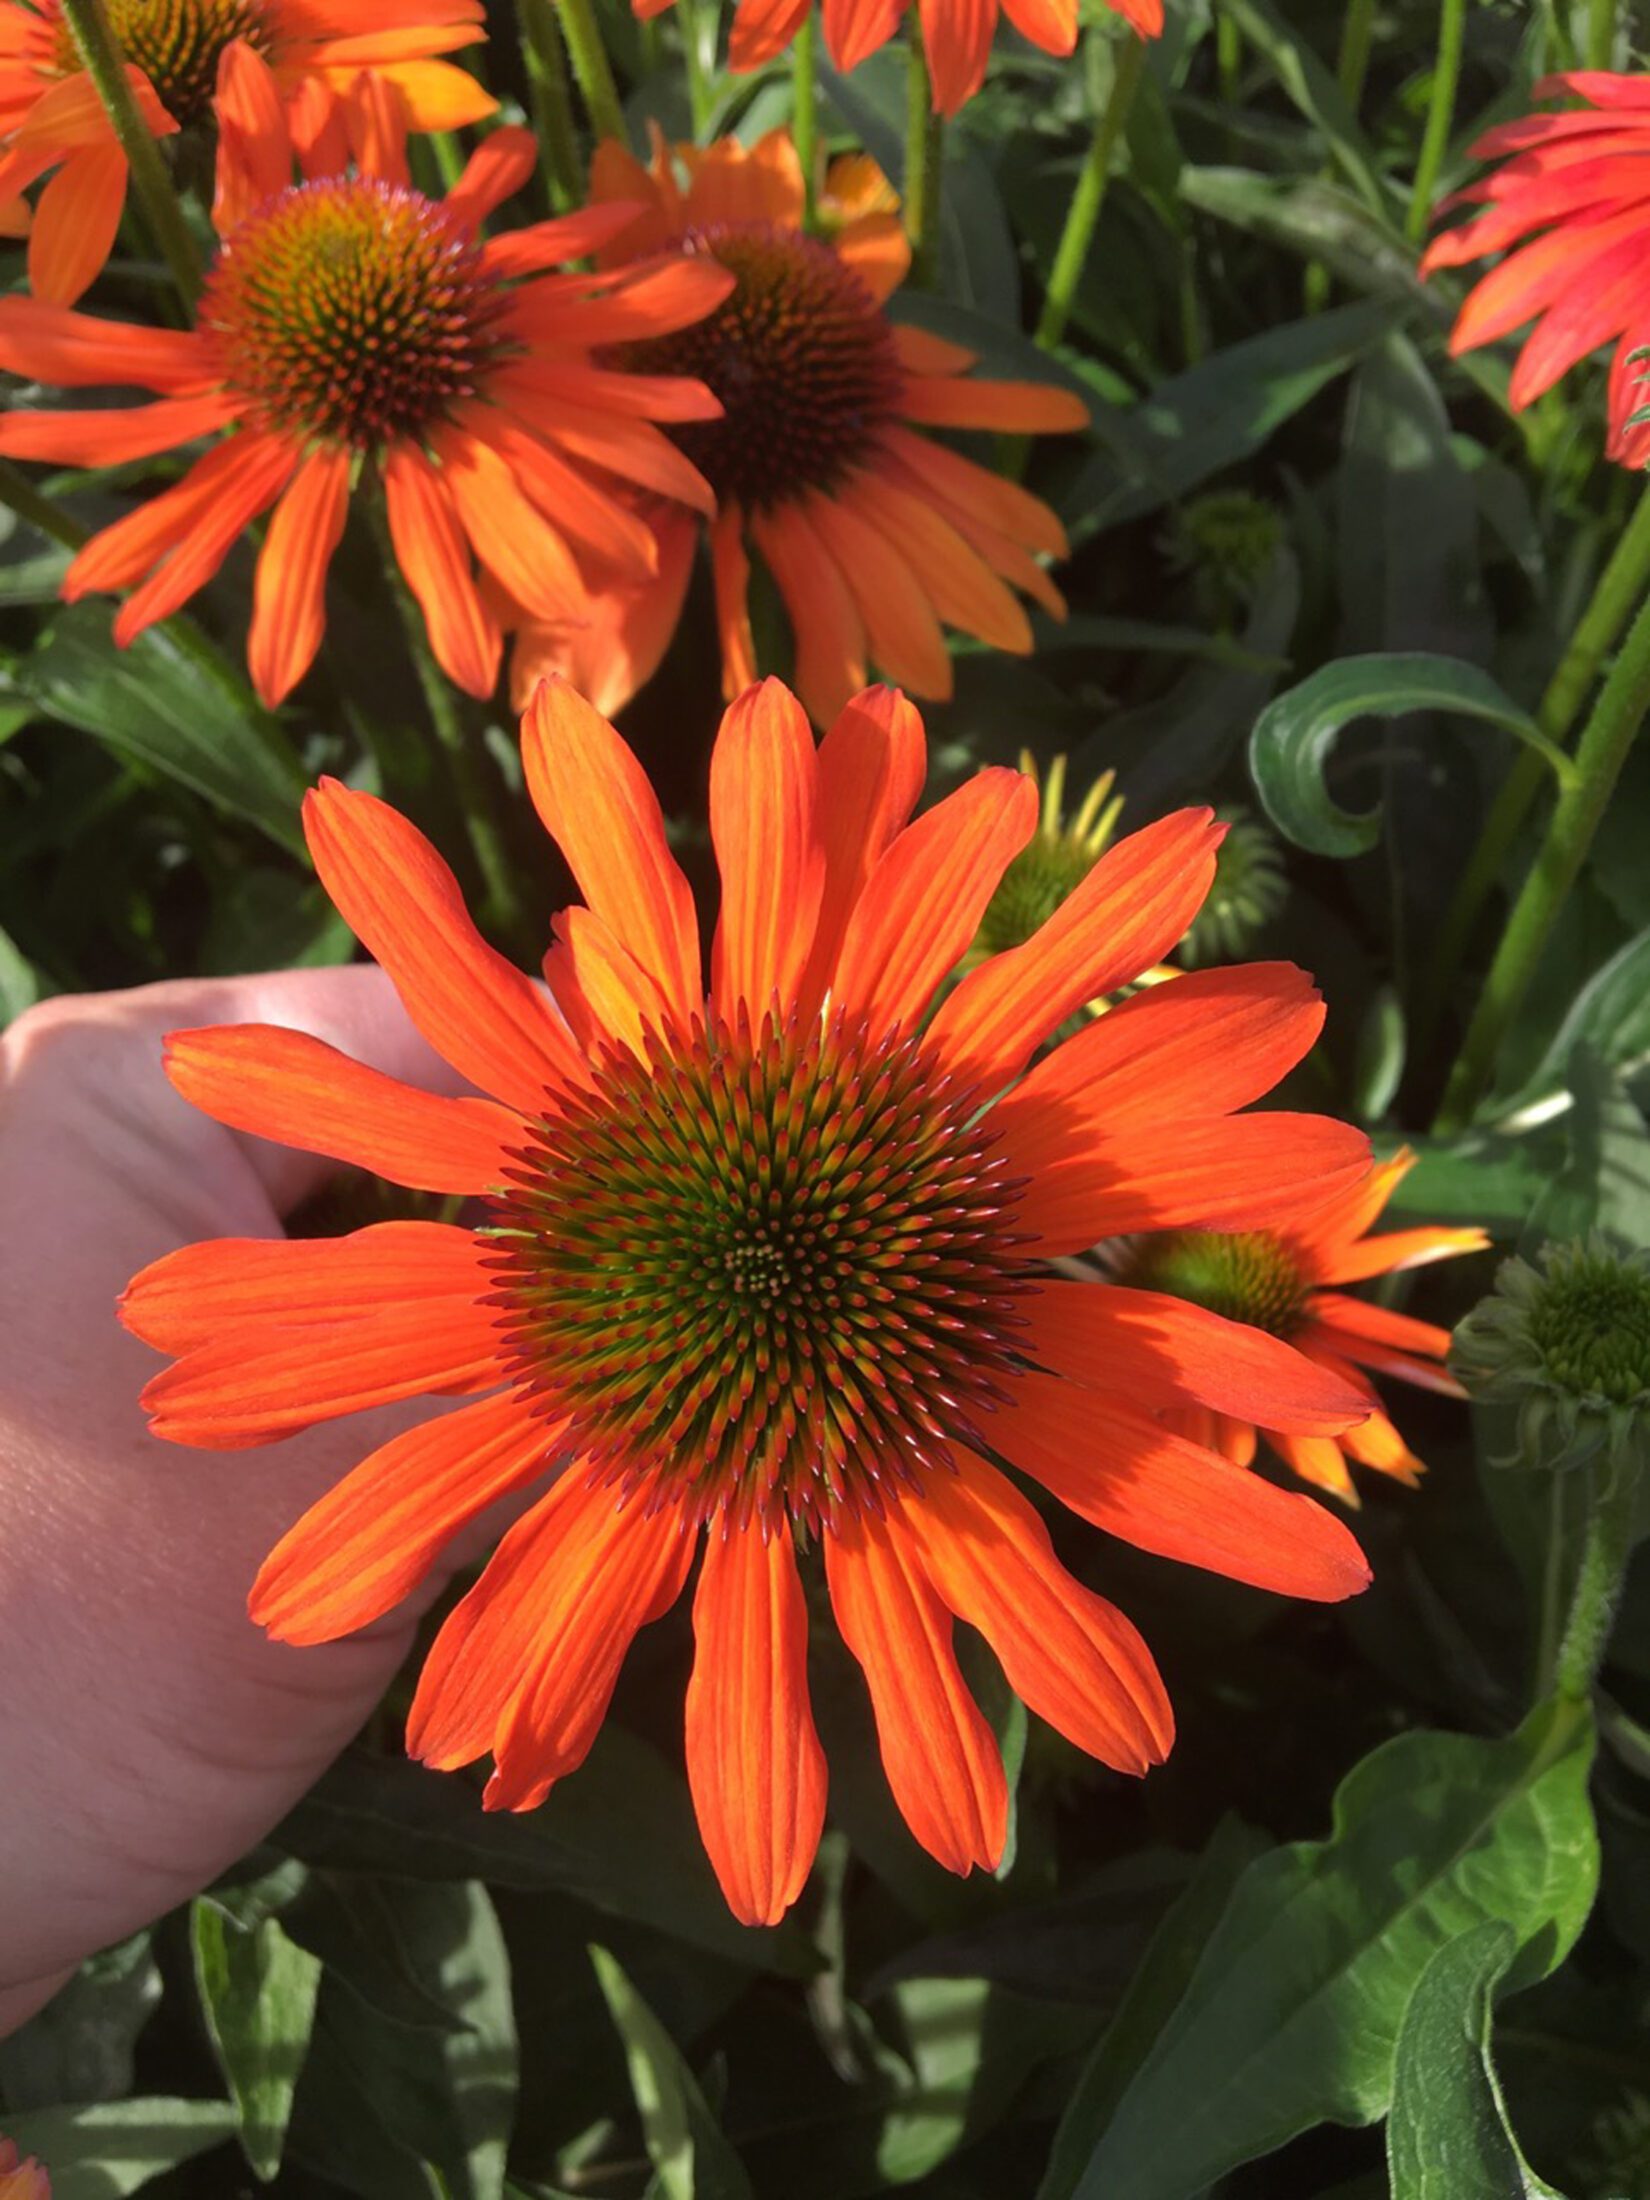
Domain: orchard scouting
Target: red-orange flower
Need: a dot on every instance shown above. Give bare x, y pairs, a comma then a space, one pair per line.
319, 50
1281, 1280
875, 535
21, 2180
956, 34
771, 1258
1570, 206
350, 318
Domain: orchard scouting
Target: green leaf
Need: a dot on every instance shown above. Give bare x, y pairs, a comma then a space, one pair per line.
1292, 2015
1215, 414
1447, 2137
1294, 734
80, 2047
692, 2160
168, 704
1610, 1016
257, 1991
116, 2147
621, 1836
1315, 219
1314, 90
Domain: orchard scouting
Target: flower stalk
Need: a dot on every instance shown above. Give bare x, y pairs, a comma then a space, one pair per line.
1083, 215
1440, 118
924, 161
593, 69
805, 115
552, 98
1605, 742
105, 64
1621, 587
19, 494
698, 75
1592, 1609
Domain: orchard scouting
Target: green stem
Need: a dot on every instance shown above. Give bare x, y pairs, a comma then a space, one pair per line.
593, 69
698, 76
475, 785
1605, 741
1601, 33
19, 493
106, 66
1440, 117
1621, 588
1228, 55
1083, 214
552, 97
805, 113
924, 160
1612, 1488
1352, 62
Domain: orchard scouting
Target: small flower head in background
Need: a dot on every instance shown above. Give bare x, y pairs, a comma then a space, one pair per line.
350, 319
1570, 207
320, 52
1227, 542
1566, 1339
1053, 863
1250, 889
21, 2180
876, 536
767, 1272
956, 34
1281, 1280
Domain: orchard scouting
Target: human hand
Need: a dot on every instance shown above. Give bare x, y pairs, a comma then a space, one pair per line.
151, 1733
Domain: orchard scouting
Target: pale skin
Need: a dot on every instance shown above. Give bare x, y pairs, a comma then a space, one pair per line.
150, 1732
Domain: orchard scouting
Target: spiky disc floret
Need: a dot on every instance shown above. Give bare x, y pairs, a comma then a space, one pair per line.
178, 45
1248, 1276
767, 1273
801, 356
352, 310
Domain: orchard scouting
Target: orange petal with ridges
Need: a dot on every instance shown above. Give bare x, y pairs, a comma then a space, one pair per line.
604, 990
900, 621
403, 904
1231, 1172
1025, 408
1120, 920
963, 486
507, 531
75, 222
601, 395
498, 168
872, 764
761, 31
598, 805
755, 1767
434, 554
297, 1091
1212, 1041
941, 1758
568, 237
254, 146
243, 490
656, 301
68, 438
1355, 1322
47, 343
371, 1540
289, 586
1050, 25
1163, 1351
1400, 1249
959, 584
923, 901
1073, 1658
956, 36
763, 823
730, 572
1118, 1468
825, 621
600, 527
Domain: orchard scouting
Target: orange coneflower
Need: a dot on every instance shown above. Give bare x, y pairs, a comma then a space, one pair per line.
770, 1259
1582, 179
873, 532
319, 50
348, 317
956, 34
1278, 1280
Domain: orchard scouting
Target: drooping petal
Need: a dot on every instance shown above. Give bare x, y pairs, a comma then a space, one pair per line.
1050, 24
755, 1767
730, 572
431, 550
254, 144
1022, 408
628, 629
1382, 1338
507, 530
298, 1091
527, 1663
761, 31
825, 621
75, 222
498, 168
1120, 920
900, 620
371, 1540
1164, 1350
924, 898
49, 343
763, 823
956, 36
941, 1758
597, 804
289, 588
139, 431
1073, 1658
404, 905
959, 584
1115, 1466
1394, 1250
